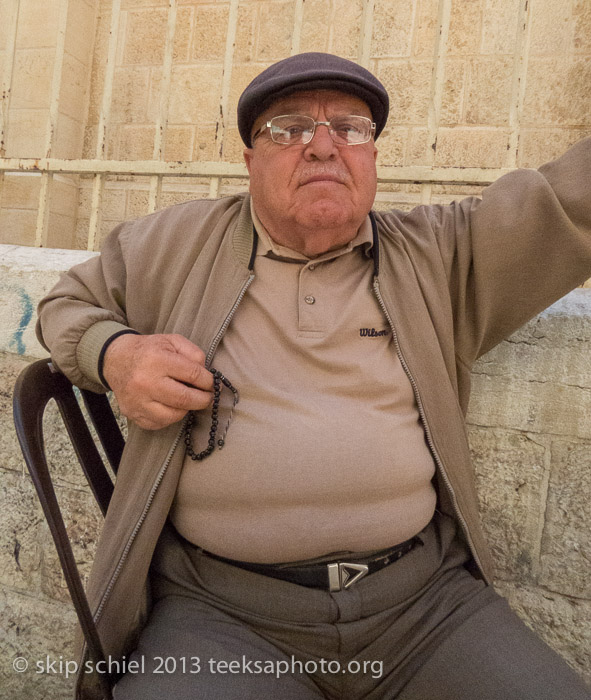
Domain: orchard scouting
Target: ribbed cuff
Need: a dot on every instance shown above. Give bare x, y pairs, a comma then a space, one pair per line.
90, 347
101, 359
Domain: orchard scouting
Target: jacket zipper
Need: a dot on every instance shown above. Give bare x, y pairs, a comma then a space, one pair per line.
226, 323
164, 467
438, 461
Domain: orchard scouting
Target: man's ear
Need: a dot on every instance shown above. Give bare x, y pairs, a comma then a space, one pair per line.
248, 154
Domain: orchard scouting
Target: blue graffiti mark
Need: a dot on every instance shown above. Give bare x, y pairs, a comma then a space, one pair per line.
26, 316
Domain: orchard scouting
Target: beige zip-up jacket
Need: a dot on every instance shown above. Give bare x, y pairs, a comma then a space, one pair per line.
452, 281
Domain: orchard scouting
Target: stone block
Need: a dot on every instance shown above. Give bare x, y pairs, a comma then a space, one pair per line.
409, 84
80, 33
61, 230
137, 203
465, 28
317, 18
552, 347
133, 4
275, 29
392, 145
347, 28
195, 93
582, 28
74, 88
551, 28
488, 97
32, 77
36, 630
169, 199
136, 142
566, 546
68, 138
499, 27
7, 11
25, 135
37, 24
18, 226
538, 146
564, 623
471, 147
245, 33
417, 148
182, 36
89, 141
557, 93
130, 95
233, 147
112, 205
536, 407
64, 195
453, 94
242, 74
27, 274
21, 191
425, 30
392, 28
145, 37
511, 481
210, 26
178, 143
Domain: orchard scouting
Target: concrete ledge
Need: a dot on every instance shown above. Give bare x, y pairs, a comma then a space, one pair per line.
530, 432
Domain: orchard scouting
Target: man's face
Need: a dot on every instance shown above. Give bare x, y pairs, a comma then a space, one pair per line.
312, 197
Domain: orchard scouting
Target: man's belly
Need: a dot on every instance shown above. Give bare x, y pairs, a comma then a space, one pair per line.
307, 483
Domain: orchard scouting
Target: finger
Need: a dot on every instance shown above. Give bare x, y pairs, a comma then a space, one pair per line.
184, 370
184, 347
176, 395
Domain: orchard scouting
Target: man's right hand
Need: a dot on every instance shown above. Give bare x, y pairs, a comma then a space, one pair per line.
149, 375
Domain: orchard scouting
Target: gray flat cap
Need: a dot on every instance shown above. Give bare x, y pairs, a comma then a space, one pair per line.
311, 71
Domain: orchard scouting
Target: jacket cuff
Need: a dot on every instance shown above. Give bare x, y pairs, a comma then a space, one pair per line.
90, 349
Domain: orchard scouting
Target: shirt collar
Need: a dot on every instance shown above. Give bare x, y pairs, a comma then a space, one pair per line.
269, 248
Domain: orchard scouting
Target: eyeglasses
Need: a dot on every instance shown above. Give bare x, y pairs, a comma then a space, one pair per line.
296, 129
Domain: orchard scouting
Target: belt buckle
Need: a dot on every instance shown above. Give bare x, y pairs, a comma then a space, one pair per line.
340, 575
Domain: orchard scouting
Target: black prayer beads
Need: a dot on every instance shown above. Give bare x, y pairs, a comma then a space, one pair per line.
218, 380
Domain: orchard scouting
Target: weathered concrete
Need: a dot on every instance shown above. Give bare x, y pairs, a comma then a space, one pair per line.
530, 432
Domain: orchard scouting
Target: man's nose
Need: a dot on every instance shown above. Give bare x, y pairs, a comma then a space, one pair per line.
321, 146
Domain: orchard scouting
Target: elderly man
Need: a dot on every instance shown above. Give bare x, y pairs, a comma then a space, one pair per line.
301, 521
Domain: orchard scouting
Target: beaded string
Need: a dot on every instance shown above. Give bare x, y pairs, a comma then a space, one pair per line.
218, 380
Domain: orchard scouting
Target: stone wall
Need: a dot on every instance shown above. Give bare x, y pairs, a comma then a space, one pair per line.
513, 88
530, 431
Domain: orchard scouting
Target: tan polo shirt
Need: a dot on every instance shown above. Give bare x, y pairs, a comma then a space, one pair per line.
326, 451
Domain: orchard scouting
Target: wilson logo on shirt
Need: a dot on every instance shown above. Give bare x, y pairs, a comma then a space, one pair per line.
372, 333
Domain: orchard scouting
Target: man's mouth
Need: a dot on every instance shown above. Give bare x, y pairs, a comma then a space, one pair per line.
322, 178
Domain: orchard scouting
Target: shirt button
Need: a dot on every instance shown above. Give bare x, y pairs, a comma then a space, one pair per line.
312, 267
309, 299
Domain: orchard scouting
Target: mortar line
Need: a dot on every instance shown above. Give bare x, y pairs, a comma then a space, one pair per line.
520, 65
364, 51
162, 119
103, 126
298, 21
436, 89
6, 86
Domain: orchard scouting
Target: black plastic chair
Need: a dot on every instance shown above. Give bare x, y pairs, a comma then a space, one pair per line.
36, 385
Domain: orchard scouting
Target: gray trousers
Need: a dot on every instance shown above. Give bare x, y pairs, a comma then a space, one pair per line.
421, 629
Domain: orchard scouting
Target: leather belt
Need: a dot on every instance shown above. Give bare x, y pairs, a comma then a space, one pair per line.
335, 575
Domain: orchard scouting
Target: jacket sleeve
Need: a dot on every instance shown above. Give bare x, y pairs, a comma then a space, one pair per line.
515, 251
85, 308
